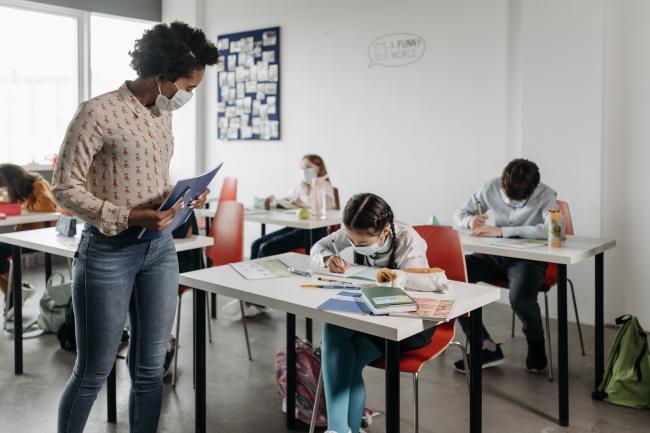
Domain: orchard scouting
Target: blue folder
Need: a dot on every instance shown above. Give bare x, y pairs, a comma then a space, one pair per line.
186, 190
358, 305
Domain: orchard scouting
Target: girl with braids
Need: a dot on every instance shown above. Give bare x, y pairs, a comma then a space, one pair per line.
379, 241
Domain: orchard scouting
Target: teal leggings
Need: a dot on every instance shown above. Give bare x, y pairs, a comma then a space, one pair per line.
344, 355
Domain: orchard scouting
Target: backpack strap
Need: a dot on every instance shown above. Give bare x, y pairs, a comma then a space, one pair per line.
621, 320
642, 354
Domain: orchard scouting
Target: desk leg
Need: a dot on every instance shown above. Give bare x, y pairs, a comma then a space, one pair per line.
563, 346
111, 396
476, 373
48, 260
392, 386
291, 371
18, 308
309, 241
199, 361
263, 229
599, 349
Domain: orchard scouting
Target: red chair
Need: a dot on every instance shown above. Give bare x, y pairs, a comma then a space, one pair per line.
444, 250
228, 233
228, 190
550, 280
228, 228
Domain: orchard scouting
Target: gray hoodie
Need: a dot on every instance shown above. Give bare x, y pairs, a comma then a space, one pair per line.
525, 219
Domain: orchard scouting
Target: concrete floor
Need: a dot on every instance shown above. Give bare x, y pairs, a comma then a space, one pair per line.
243, 397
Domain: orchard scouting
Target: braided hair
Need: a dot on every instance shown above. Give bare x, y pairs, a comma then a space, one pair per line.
370, 213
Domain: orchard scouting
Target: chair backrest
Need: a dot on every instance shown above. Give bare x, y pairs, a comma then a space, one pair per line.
337, 199
444, 250
227, 230
228, 190
566, 216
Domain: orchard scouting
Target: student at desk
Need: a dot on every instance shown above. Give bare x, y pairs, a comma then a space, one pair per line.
519, 203
35, 195
377, 241
312, 167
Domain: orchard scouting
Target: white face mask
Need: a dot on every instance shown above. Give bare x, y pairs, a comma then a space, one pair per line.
371, 250
308, 174
510, 202
180, 98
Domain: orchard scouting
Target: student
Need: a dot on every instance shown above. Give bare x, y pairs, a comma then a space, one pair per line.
312, 166
519, 203
380, 242
34, 194
113, 172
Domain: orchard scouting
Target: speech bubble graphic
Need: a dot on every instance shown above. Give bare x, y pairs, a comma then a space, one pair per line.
396, 49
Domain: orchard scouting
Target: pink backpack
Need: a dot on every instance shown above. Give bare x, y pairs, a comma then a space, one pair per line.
307, 372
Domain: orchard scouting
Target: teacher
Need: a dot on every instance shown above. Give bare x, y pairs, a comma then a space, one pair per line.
113, 172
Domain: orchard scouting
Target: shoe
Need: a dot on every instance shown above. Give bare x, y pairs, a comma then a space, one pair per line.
232, 309
489, 359
536, 361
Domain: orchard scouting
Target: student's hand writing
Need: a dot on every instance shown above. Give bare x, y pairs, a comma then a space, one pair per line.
336, 264
487, 231
477, 221
200, 200
153, 219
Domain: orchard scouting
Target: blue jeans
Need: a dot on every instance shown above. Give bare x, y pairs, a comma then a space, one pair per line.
114, 278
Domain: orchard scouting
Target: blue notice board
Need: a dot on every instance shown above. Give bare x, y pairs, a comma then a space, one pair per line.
248, 85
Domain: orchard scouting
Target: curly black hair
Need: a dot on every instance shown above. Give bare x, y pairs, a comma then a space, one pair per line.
172, 51
520, 178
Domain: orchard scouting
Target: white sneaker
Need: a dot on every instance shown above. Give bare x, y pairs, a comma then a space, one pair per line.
232, 309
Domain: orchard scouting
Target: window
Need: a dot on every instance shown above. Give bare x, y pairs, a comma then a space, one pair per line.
39, 83
111, 39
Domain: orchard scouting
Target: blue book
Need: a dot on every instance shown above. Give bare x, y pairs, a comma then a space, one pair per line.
346, 302
186, 190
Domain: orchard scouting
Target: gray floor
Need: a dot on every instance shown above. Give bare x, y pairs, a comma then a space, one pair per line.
243, 397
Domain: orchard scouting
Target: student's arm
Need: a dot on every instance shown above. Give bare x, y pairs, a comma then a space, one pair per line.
464, 215
537, 231
82, 141
323, 248
41, 199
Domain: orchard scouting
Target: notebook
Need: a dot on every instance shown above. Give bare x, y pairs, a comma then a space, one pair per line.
186, 190
346, 302
384, 300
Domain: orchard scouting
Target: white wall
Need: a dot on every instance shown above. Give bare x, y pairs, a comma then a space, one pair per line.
499, 79
626, 155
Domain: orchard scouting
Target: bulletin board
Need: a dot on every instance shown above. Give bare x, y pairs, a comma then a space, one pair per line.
248, 85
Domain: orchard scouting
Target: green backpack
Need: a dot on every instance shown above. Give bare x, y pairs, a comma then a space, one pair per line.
627, 377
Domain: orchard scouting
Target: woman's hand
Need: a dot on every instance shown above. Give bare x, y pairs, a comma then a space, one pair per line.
336, 264
153, 219
200, 200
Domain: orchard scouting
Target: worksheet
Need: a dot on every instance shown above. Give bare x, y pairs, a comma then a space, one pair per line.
263, 269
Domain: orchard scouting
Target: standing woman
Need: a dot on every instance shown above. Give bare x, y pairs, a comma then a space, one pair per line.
113, 172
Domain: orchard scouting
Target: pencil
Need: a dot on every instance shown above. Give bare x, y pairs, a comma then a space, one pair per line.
328, 286
478, 207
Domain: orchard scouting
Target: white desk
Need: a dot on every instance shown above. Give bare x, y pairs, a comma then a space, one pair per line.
574, 250
282, 217
285, 294
29, 218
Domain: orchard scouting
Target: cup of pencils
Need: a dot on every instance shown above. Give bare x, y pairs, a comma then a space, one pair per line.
554, 228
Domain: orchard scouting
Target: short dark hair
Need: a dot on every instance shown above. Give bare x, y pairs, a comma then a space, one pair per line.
18, 181
520, 178
172, 50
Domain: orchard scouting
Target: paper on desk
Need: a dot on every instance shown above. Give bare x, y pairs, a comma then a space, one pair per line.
263, 269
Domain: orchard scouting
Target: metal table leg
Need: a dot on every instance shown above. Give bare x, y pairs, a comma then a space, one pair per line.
291, 371
563, 346
476, 373
392, 386
199, 361
111, 396
18, 308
